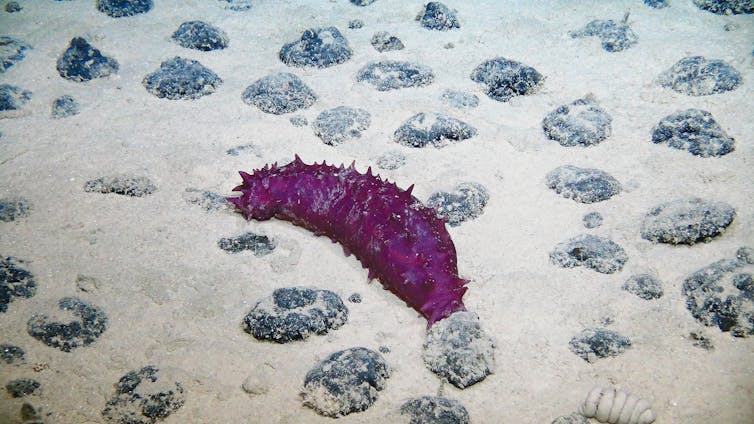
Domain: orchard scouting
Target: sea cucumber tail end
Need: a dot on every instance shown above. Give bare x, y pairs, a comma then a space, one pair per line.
444, 305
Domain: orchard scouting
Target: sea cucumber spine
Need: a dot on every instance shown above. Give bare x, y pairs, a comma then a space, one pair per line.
399, 240
616, 406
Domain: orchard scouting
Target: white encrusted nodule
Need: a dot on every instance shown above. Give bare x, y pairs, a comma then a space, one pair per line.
616, 406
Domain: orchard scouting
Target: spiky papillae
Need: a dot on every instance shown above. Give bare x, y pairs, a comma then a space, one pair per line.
400, 241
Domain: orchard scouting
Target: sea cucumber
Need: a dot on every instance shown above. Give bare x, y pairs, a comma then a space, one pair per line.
399, 240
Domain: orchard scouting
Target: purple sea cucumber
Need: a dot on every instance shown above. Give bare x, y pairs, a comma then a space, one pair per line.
399, 240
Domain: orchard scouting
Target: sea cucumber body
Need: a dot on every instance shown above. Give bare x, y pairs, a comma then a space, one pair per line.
399, 240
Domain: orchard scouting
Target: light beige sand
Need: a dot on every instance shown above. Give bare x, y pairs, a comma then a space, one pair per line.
176, 301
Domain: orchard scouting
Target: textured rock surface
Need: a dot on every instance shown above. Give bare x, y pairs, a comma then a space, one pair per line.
575, 418
15, 281
722, 294
126, 185
11, 354
259, 245
88, 324
13, 208
726, 7
12, 51
594, 252
382, 41
437, 16
505, 78
594, 343
181, 79
435, 410
614, 36
294, 313
695, 131
362, 2
460, 99
584, 185
279, 93
22, 387
458, 350
82, 62
392, 75
12, 97
64, 106
391, 160
687, 221
123, 8
145, 396
12, 7
580, 123
645, 286
199, 35
346, 381
334, 126
467, 202
319, 47
592, 220
434, 129
699, 76
656, 4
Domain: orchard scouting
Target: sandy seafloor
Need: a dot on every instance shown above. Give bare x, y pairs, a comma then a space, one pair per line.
175, 300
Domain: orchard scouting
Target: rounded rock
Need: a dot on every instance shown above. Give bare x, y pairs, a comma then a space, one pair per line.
581, 123
82, 62
181, 79
467, 202
279, 94
435, 410
145, 396
687, 221
726, 7
123, 8
592, 220
434, 129
334, 126
294, 313
346, 381
584, 185
594, 343
438, 17
699, 76
594, 252
259, 245
393, 75
125, 185
505, 78
15, 281
89, 324
12, 51
13, 208
384, 42
695, 131
12, 98
615, 36
319, 48
645, 286
64, 106
199, 35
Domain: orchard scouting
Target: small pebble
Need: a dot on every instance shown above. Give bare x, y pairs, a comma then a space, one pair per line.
584, 185
319, 47
505, 78
12, 7
438, 17
298, 121
458, 350
133, 186
656, 4
346, 381
593, 343
15, 281
64, 106
82, 62
145, 396
393, 75
238, 5
259, 245
391, 160
435, 410
279, 93
181, 79
695, 131
460, 99
687, 221
355, 24
592, 220
89, 324
581, 123
294, 313
645, 286
123, 8
354, 298
594, 252
207, 200
343, 123
699, 76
